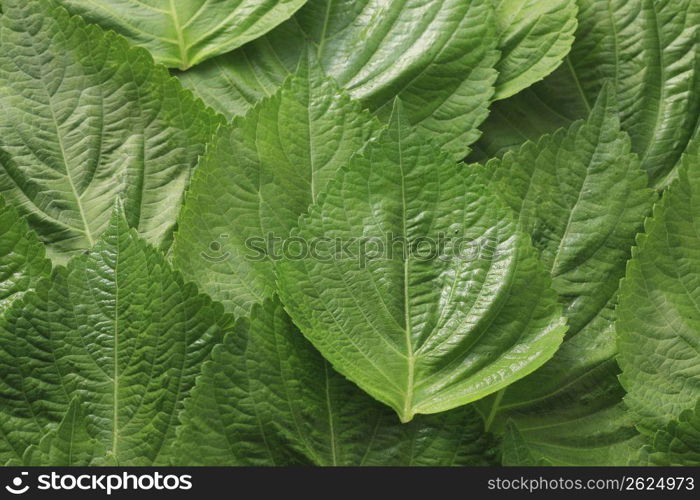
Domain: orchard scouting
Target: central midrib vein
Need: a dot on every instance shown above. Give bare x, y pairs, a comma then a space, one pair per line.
494, 409
69, 176
324, 30
180, 39
578, 83
312, 176
408, 403
331, 425
115, 375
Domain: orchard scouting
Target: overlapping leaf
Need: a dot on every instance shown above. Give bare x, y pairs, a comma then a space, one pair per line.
120, 331
659, 313
678, 443
582, 197
86, 118
649, 49
536, 35
455, 306
257, 178
22, 257
409, 285
438, 57
268, 398
516, 451
71, 444
577, 416
554, 103
182, 33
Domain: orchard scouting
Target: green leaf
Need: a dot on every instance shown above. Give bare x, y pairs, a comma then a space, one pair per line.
692, 148
116, 328
536, 35
570, 411
454, 307
582, 197
678, 443
659, 316
516, 451
87, 118
541, 109
264, 171
70, 445
182, 33
438, 57
268, 398
649, 50
606, 437
22, 257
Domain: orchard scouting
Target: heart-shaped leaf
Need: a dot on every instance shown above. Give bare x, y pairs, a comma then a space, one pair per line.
436, 298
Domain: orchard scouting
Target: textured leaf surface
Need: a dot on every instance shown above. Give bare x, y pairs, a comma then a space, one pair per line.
582, 197
536, 35
603, 438
182, 33
70, 445
659, 316
678, 443
649, 49
86, 118
545, 107
421, 330
22, 257
257, 178
116, 328
437, 56
590, 433
516, 451
267, 397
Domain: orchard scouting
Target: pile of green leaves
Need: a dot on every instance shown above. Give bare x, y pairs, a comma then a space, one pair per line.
148, 149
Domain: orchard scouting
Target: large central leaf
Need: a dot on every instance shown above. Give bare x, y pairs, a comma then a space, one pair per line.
182, 33
268, 397
437, 56
454, 307
86, 118
116, 337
